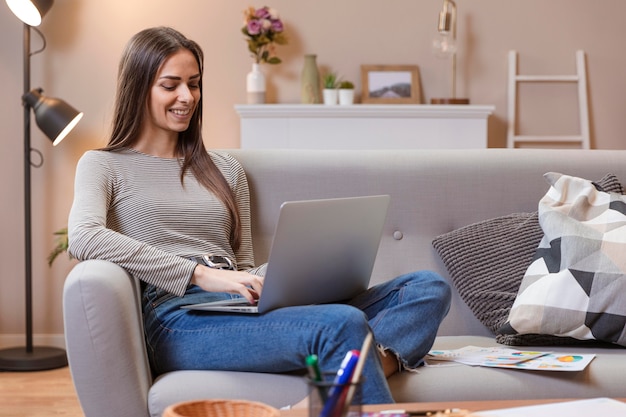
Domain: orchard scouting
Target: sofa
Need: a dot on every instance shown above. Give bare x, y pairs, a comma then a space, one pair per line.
433, 193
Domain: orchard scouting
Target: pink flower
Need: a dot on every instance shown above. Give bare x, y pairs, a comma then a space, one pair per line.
277, 26
262, 29
263, 13
254, 27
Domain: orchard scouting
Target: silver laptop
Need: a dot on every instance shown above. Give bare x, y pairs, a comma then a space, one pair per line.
323, 251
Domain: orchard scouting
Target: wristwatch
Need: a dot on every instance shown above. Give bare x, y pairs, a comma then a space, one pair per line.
216, 262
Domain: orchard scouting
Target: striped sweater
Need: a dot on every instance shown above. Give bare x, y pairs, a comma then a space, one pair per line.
131, 209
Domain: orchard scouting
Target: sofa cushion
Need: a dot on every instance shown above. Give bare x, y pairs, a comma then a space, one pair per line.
487, 261
576, 284
447, 382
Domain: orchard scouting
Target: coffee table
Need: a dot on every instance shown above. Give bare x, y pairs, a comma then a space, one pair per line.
466, 405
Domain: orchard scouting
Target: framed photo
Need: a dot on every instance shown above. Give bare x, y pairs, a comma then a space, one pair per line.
392, 84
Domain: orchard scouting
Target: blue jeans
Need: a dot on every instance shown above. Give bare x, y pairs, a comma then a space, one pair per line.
403, 314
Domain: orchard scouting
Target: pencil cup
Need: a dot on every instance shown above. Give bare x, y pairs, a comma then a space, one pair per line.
328, 399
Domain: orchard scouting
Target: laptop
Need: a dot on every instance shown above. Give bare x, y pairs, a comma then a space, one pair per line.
323, 251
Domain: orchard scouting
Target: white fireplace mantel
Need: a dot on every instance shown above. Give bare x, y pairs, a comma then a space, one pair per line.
363, 126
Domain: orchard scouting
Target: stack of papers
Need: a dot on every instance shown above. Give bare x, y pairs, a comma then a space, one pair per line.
500, 357
579, 408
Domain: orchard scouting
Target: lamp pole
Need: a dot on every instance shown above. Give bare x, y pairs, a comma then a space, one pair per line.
29, 358
28, 264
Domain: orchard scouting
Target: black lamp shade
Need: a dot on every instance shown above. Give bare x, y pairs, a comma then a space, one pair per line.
54, 117
30, 12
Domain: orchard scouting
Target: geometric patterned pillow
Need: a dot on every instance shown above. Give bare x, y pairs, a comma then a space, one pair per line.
576, 285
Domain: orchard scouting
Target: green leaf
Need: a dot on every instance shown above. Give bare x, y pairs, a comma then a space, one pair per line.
280, 39
330, 80
62, 245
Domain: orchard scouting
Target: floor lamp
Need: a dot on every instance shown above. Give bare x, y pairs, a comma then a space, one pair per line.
56, 119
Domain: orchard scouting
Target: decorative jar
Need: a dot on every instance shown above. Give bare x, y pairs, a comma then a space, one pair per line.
310, 81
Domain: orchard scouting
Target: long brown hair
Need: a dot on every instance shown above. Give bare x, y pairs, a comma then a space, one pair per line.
142, 58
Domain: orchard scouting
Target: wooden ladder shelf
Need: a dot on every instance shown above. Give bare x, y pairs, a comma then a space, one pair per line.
583, 111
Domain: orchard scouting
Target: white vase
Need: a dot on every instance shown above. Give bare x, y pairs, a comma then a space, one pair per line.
330, 96
346, 96
255, 85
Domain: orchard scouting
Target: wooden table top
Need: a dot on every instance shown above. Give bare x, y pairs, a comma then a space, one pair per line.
471, 406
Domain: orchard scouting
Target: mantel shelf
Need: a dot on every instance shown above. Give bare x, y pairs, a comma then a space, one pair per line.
363, 126
363, 111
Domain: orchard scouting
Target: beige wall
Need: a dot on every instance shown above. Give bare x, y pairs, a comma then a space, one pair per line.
85, 39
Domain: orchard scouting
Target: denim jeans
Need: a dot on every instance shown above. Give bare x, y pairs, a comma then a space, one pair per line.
403, 314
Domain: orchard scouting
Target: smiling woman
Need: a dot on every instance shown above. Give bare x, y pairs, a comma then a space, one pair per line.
173, 99
155, 201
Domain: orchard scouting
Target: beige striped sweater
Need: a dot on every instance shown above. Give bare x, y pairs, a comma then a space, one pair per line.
131, 209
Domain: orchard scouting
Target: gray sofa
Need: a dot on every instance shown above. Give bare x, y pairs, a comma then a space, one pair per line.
432, 192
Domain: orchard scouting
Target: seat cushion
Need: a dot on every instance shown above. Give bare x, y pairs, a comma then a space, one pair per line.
456, 382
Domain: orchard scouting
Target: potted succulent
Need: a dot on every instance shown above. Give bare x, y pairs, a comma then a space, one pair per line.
330, 88
346, 93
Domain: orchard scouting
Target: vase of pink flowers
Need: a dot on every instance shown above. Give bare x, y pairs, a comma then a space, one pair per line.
263, 30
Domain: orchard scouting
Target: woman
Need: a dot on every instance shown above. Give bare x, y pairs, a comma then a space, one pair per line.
154, 201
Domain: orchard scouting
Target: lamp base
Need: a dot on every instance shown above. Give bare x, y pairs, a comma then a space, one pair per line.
449, 101
40, 359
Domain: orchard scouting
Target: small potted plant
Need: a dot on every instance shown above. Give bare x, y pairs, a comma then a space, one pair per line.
346, 93
330, 88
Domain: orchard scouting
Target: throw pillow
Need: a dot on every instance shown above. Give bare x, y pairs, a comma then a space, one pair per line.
487, 260
576, 285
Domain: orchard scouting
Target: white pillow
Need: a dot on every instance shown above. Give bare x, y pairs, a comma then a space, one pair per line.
576, 285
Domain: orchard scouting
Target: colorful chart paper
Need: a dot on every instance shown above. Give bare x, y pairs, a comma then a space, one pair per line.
500, 357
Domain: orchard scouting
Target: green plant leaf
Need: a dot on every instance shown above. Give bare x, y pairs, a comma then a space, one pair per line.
280, 39
62, 245
330, 80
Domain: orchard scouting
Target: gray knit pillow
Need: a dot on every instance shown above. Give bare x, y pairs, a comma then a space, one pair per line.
487, 261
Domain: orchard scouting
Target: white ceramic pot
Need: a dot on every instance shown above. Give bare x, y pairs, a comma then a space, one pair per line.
330, 96
346, 96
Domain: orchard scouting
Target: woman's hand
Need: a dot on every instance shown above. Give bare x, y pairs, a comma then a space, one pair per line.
223, 280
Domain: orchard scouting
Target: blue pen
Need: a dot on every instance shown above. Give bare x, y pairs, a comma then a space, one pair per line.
341, 381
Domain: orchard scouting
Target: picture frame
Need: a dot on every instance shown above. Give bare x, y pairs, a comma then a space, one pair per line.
390, 84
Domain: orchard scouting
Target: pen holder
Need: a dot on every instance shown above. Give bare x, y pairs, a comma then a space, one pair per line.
327, 399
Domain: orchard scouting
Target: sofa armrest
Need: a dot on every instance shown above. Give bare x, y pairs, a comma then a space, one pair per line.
105, 341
